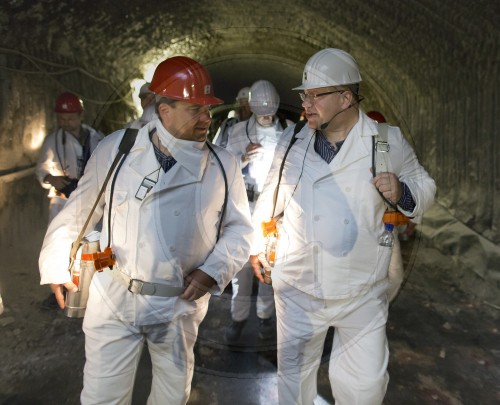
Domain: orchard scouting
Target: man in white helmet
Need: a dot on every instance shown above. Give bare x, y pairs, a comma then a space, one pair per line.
242, 113
253, 143
148, 108
330, 270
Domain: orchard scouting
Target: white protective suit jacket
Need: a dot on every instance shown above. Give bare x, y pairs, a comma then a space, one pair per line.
328, 242
246, 132
60, 155
162, 238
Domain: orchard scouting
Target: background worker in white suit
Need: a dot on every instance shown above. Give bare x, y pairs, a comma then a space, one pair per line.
175, 236
241, 113
63, 157
148, 106
253, 143
65, 152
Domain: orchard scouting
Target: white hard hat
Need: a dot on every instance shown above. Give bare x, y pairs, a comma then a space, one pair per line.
329, 67
243, 93
264, 99
145, 89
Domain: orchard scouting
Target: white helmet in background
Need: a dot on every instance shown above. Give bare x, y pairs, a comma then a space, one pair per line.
145, 89
329, 67
243, 94
264, 99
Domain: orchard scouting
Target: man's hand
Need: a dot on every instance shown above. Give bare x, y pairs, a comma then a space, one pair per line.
59, 292
390, 187
257, 267
58, 182
197, 284
253, 150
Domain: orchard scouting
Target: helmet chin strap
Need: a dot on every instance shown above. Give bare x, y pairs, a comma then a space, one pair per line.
325, 125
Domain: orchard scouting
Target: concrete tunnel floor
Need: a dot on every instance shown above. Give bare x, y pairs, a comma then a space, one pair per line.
444, 344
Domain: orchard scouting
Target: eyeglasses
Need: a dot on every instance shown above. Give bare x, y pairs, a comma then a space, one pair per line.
313, 97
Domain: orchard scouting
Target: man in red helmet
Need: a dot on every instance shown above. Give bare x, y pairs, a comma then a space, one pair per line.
65, 152
174, 234
63, 157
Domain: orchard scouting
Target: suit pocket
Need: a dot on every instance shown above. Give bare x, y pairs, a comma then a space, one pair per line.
119, 217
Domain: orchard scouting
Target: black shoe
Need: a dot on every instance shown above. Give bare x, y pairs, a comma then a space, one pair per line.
267, 329
50, 303
233, 332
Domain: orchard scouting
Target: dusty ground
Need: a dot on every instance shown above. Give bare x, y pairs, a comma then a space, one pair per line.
444, 341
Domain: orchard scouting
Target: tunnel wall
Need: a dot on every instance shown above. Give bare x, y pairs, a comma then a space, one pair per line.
430, 67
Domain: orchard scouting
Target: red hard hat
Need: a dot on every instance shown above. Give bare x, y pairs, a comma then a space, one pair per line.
182, 78
68, 103
375, 115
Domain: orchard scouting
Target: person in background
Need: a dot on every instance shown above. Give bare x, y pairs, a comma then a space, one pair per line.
331, 270
253, 143
242, 113
63, 157
148, 108
175, 237
65, 152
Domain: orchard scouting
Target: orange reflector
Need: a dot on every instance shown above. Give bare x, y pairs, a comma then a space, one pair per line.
269, 227
395, 217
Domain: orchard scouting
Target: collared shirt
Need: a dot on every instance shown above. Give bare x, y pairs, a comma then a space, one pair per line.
324, 148
166, 162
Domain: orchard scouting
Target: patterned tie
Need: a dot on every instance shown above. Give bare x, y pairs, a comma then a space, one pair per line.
166, 162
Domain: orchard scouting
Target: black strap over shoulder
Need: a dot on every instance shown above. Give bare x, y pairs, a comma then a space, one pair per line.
298, 127
126, 144
128, 140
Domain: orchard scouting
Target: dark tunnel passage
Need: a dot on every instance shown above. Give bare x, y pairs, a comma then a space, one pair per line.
432, 68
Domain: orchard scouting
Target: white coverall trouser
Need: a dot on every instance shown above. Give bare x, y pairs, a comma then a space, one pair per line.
242, 296
113, 350
360, 354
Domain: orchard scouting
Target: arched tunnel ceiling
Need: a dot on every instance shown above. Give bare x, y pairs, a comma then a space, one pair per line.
431, 67
240, 42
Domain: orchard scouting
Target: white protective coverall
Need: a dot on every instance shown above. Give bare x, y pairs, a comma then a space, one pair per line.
159, 239
240, 136
61, 155
330, 270
148, 114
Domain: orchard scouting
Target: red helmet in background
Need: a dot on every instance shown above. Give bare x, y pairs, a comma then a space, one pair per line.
182, 78
68, 103
375, 115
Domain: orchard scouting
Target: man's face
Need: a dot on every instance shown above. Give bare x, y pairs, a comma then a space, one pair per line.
186, 121
244, 112
320, 109
265, 120
69, 122
146, 99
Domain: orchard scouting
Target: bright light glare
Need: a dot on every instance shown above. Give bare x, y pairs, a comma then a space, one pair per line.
34, 132
37, 139
149, 70
136, 86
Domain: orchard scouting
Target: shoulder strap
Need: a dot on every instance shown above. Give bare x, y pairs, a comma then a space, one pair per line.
226, 190
381, 161
381, 148
283, 122
298, 127
126, 144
